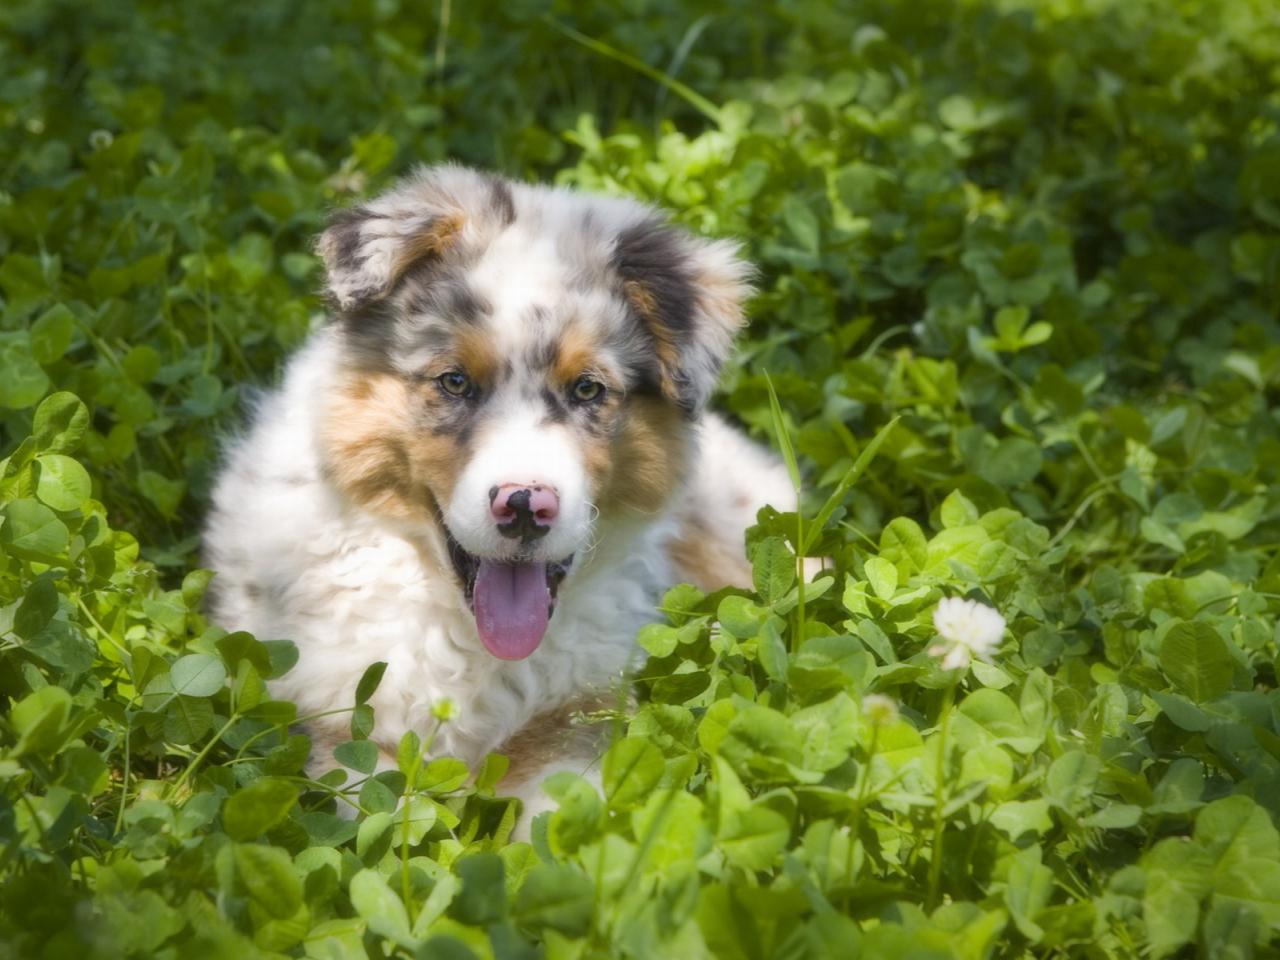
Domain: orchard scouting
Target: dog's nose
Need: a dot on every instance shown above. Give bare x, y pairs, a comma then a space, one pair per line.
524, 510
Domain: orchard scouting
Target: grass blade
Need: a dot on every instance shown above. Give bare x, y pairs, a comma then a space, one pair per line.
846, 483
784, 437
793, 469
683, 91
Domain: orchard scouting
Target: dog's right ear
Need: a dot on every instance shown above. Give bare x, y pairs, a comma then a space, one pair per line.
367, 248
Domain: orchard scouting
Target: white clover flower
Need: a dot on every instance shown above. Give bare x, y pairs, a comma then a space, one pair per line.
967, 629
880, 710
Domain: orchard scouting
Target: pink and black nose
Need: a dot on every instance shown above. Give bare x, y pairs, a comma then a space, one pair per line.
524, 510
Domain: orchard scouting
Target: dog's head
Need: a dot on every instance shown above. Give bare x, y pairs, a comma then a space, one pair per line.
522, 364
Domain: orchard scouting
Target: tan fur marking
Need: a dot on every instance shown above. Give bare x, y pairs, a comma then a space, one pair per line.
436, 463
647, 459
664, 338
362, 436
707, 561
641, 299
375, 456
325, 737
552, 735
473, 348
597, 458
431, 242
575, 355
721, 299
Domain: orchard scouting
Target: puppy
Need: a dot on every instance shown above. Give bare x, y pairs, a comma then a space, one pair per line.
489, 466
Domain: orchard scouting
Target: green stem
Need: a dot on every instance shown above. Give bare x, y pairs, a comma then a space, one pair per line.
1075, 517
410, 786
798, 637
855, 822
124, 773
296, 721
1093, 464
199, 757
650, 835
939, 798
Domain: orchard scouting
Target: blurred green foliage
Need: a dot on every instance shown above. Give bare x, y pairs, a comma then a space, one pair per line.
1043, 236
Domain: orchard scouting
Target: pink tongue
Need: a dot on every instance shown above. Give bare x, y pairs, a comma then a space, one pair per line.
512, 607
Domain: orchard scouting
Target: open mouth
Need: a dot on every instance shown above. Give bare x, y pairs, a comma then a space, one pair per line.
512, 600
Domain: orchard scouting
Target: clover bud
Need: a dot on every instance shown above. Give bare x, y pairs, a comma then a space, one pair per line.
880, 711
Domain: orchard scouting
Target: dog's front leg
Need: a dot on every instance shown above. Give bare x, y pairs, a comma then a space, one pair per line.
560, 740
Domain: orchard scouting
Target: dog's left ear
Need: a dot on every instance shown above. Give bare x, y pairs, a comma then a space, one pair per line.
366, 249
688, 293
428, 215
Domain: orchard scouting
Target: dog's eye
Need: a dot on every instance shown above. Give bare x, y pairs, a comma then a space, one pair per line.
456, 384
586, 390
